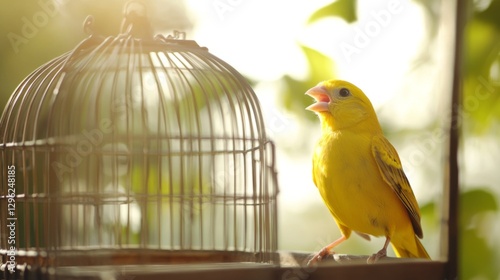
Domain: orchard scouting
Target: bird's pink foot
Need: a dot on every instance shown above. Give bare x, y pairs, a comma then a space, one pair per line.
325, 251
375, 257
318, 256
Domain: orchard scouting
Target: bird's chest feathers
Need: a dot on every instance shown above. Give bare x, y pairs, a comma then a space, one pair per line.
343, 159
346, 174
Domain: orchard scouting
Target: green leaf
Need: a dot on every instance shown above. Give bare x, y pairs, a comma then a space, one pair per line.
428, 209
481, 47
477, 258
481, 103
491, 14
345, 9
321, 67
476, 201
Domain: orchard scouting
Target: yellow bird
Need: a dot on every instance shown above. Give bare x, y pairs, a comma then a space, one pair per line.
359, 175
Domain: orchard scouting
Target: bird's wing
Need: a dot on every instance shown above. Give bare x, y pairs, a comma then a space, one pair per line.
391, 170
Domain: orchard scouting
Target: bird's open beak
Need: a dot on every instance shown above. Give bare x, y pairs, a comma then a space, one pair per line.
320, 94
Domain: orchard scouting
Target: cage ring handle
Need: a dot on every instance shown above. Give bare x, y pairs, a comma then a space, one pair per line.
88, 24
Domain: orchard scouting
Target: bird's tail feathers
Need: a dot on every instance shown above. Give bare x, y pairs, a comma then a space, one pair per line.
403, 252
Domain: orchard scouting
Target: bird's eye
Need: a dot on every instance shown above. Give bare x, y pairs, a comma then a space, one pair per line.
344, 92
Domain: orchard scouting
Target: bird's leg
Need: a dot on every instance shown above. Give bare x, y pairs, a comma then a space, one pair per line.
380, 254
325, 251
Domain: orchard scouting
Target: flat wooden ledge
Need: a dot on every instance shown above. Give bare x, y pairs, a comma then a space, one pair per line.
340, 266
291, 259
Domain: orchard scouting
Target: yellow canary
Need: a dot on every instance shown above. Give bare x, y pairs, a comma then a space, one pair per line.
359, 175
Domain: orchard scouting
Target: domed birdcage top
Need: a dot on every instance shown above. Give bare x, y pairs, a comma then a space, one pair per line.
133, 144
65, 95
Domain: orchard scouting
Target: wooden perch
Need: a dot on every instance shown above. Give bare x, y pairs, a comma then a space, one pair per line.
291, 259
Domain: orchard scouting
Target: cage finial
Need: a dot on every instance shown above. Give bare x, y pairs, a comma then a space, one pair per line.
88, 25
178, 35
135, 21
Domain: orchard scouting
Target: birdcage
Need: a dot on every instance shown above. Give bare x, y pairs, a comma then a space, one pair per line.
136, 149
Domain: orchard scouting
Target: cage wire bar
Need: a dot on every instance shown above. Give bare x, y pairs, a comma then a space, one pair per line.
133, 149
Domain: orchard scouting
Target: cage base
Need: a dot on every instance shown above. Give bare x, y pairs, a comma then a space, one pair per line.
134, 256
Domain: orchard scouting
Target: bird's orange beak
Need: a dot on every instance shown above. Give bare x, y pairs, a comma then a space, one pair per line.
320, 94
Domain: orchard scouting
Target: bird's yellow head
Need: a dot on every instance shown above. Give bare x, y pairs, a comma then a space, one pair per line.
340, 104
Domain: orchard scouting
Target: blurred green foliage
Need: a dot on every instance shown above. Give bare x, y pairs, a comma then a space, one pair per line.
345, 9
477, 257
478, 209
